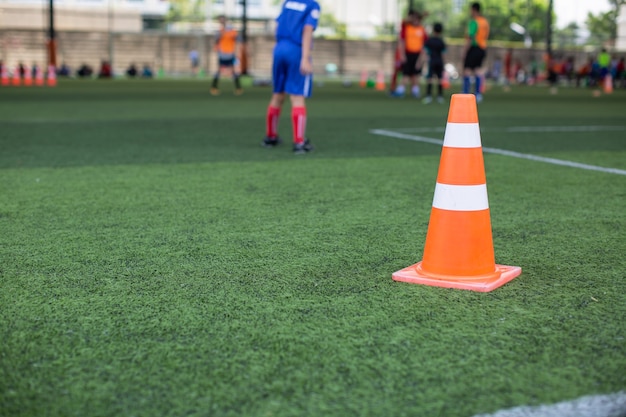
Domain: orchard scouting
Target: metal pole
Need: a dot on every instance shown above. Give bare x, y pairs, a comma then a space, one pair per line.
111, 18
549, 30
244, 37
52, 56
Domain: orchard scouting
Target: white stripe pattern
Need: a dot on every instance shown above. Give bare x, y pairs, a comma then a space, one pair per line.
462, 135
461, 197
301, 126
553, 161
307, 86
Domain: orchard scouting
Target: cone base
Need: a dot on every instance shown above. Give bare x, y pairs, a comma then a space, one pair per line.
411, 275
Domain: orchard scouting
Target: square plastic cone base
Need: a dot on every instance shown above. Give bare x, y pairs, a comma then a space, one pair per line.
410, 275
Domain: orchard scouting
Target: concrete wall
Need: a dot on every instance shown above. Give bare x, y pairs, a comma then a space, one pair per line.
75, 18
170, 52
620, 42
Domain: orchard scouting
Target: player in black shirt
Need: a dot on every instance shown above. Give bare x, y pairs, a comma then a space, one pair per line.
435, 46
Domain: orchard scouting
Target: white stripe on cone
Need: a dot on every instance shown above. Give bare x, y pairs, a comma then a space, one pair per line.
461, 197
462, 135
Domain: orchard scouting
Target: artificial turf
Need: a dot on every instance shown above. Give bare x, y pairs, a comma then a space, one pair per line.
156, 260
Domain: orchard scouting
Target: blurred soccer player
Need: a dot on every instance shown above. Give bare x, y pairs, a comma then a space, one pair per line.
475, 50
435, 46
226, 45
292, 70
411, 43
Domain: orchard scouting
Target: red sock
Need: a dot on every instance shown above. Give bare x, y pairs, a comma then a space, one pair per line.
298, 119
273, 114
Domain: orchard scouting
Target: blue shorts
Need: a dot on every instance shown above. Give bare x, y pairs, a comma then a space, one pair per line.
286, 75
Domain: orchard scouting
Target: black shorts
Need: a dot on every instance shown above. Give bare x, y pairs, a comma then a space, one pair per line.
474, 58
435, 70
226, 62
409, 68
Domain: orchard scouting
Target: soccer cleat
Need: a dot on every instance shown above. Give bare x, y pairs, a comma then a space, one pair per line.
479, 98
440, 100
271, 142
238, 91
427, 100
302, 148
215, 91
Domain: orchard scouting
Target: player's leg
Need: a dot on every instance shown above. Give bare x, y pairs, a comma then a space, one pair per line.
479, 73
439, 73
301, 144
279, 80
272, 118
468, 70
216, 78
235, 75
429, 85
406, 74
299, 87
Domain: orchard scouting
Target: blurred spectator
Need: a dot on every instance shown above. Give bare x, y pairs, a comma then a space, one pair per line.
64, 70
84, 71
105, 70
604, 65
194, 58
568, 70
21, 69
620, 73
132, 71
496, 69
508, 66
584, 74
147, 71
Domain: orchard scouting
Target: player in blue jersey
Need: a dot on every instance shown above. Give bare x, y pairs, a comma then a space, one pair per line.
292, 70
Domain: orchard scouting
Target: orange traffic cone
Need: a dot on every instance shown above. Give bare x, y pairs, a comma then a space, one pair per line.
28, 77
363, 81
52, 76
17, 78
39, 79
4, 76
458, 252
380, 81
608, 84
445, 81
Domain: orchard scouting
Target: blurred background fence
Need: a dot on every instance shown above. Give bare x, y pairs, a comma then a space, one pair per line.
169, 52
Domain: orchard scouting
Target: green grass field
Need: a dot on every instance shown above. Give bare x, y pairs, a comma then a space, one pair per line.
155, 260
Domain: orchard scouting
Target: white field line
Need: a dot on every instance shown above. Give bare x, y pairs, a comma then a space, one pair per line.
524, 129
612, 405
553, 161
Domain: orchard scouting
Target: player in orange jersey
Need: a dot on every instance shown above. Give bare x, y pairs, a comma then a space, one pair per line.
475, 50
227, 47
410, 45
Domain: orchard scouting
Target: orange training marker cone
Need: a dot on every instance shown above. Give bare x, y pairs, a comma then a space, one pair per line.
17, 78
363, 81
445, 81
4, 76
608, 84
39, 80
52, 76
458, 252
28, 77
380, 81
